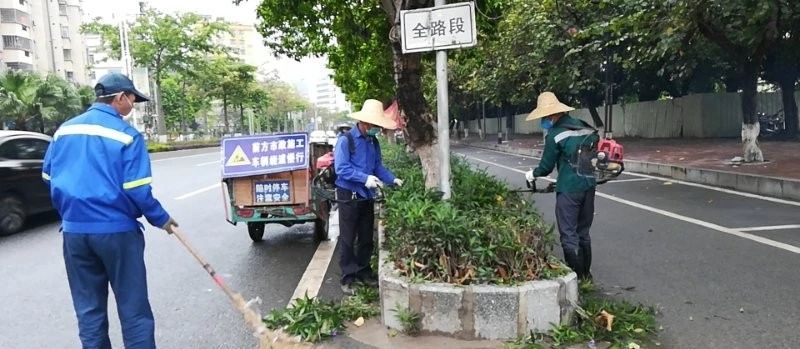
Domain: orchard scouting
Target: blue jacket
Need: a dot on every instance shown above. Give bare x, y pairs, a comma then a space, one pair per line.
352, 169
99, 174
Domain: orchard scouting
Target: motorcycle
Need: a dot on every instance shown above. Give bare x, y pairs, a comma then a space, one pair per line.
771, 124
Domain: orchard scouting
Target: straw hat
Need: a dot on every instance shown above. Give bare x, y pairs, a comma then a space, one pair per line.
372, 112
547, 104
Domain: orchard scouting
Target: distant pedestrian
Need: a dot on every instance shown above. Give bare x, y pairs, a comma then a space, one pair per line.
359, 171
99, 174
575, 191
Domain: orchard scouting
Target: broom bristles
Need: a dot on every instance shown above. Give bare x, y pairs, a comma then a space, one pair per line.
267, 339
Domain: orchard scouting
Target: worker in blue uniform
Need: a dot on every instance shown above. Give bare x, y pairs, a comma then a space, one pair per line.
359, 171
98, 169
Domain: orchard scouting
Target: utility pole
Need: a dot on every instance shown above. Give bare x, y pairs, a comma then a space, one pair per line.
443, 116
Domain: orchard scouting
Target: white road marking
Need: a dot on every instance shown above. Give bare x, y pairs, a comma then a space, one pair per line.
312, 278
629, 180
695, 221
198, 191
215, 162
698, 185
768, 228
722, 190
185, 157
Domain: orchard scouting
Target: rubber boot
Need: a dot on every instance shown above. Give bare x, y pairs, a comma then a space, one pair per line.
586, 254
574, 261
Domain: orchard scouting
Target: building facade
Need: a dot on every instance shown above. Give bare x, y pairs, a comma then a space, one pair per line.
328, 96
44, 36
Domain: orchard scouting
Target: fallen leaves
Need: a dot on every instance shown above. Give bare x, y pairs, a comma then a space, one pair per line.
605, 320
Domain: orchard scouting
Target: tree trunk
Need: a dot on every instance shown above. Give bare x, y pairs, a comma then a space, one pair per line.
789, 107
750, 126
21, 124
225, 114
161, 128
420, 122
242, 127
589, 102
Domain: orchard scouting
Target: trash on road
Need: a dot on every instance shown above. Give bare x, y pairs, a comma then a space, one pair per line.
359, 322
605, 320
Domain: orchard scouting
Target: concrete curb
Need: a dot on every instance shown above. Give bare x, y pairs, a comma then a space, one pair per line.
782, 188
476, 311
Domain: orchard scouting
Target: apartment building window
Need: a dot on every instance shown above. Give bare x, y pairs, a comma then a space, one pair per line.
70, 76
65, 32
67, 54
16, 42
10, 15
62, 9
19, 66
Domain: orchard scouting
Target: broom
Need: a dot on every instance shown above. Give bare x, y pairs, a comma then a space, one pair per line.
267, 339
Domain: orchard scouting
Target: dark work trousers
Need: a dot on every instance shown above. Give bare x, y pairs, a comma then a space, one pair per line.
574, 214
356, 226
93, 262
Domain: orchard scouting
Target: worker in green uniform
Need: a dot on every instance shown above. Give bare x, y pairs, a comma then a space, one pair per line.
567, 146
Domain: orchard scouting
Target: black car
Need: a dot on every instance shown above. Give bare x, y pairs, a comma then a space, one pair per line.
22, 190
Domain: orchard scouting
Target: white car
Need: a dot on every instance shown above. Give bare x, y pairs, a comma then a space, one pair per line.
318, 136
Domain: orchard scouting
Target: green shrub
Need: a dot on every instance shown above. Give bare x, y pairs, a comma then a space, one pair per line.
485, 234
315, 320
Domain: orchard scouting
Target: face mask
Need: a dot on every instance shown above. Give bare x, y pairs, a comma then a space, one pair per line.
374, 131
127, 117
547, 123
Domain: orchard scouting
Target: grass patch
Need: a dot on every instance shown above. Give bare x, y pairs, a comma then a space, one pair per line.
155, 147
409, 320
629, 323
315, 320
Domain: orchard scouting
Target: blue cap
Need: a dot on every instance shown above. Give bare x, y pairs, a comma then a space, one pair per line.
113, 83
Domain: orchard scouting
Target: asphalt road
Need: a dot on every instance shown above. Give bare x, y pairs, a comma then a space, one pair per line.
657, 242
674, 245
190, 311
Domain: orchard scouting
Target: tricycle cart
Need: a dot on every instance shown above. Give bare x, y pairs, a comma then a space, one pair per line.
268, 179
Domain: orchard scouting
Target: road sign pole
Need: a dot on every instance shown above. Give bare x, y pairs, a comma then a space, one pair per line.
443, 117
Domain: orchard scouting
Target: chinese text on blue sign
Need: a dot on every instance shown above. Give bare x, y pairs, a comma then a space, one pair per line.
255, 155
272, 192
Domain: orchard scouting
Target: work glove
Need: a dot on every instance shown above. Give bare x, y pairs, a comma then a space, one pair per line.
373, 182
529, 176
170, 226
398, 182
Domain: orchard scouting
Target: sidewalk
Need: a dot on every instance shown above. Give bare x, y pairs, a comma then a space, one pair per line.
703, 161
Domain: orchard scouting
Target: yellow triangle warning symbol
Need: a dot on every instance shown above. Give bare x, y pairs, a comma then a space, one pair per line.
238, 158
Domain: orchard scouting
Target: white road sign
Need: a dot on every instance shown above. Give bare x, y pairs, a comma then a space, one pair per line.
439, 28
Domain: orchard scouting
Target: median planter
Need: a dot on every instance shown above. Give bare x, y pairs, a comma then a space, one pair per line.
492, 312
476, 266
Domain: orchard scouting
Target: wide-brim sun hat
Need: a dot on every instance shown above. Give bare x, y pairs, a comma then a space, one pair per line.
548, 104
372, 113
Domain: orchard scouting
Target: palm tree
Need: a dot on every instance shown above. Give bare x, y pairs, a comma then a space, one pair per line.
26, 97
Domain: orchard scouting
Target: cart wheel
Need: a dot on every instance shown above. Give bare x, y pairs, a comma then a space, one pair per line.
321, 229
322, 224
256, 231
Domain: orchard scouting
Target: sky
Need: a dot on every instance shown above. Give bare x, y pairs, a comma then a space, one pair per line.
301, 74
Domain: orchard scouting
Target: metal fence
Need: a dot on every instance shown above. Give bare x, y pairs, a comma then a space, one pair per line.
709, 115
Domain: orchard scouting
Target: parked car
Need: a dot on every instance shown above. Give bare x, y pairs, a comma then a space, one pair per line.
22, 191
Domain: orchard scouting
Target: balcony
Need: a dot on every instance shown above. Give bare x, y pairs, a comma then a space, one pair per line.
11, 15
19, 66
13, 42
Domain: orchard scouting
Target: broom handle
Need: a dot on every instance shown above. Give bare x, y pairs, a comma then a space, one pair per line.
217, 278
